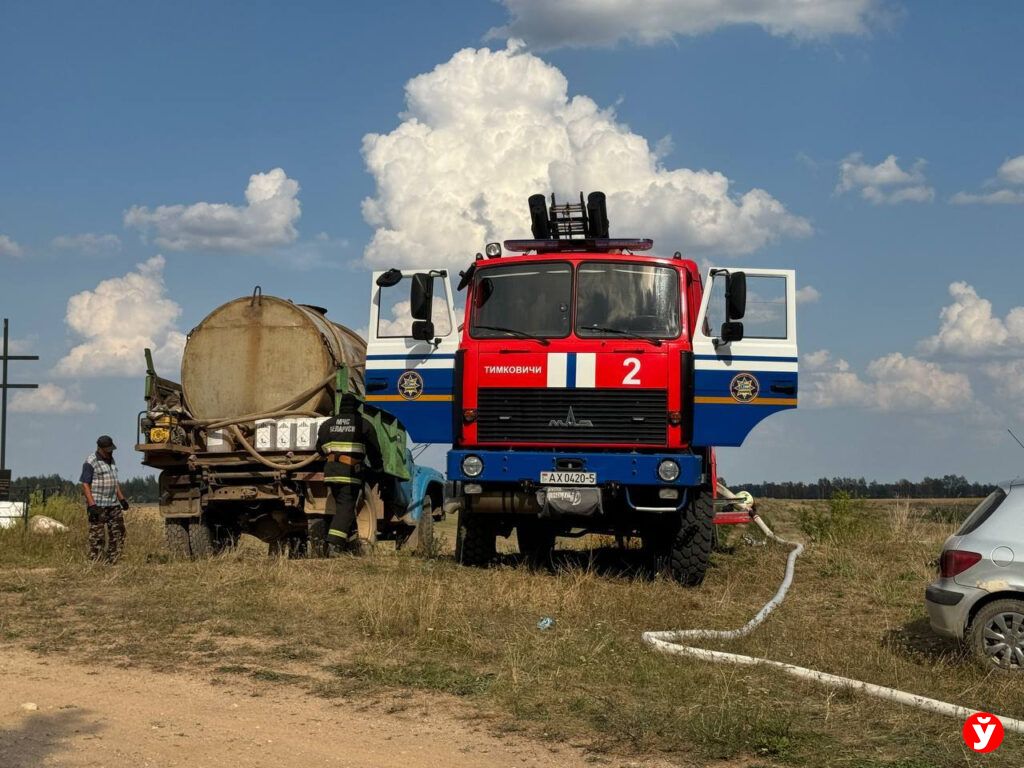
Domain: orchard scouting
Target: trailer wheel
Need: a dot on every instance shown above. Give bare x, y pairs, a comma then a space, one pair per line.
176, 534
475, 543
691, 543
201, 540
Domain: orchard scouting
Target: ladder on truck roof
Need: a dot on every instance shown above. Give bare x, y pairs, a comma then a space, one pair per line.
572, 227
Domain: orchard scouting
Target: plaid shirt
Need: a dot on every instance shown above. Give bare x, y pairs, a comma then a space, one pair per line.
103, 480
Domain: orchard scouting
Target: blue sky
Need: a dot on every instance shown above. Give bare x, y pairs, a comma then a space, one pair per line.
118, 107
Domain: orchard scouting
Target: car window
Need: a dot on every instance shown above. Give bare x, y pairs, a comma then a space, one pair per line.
982, 512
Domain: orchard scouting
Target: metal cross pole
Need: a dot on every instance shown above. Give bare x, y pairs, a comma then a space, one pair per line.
4, 386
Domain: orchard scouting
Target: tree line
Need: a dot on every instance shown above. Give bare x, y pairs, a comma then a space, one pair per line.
138, 489
945, 487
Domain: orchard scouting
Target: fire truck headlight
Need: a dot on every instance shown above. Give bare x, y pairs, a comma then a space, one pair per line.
472, 466
668, 470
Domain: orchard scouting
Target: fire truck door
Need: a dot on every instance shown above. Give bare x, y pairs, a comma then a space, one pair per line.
744, 353
408, 377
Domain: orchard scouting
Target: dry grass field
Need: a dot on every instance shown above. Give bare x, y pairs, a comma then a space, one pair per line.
352, 627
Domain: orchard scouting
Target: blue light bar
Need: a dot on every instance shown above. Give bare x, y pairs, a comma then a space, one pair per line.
600, 244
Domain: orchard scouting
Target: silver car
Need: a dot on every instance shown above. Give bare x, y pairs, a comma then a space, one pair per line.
979, 595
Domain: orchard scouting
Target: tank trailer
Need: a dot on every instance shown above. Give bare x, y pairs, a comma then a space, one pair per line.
235, 440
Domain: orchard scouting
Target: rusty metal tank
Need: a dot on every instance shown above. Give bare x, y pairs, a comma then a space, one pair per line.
256, 353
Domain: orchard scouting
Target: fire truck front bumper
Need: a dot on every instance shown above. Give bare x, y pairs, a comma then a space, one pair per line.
539, 468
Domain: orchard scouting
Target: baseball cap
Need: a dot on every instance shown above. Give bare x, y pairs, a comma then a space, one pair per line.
105, 441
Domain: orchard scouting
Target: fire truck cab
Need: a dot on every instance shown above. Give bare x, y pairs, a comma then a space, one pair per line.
588, 385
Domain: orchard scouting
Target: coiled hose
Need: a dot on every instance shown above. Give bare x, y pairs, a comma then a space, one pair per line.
672, 642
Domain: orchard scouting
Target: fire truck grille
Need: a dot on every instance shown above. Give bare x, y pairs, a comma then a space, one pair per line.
572, 416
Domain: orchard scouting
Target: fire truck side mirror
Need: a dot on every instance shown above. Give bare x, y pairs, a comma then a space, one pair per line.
423, 330
736, 298
731, 331
421, 296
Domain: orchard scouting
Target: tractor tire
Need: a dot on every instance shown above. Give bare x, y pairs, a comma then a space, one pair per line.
176, 534
691, 543
536, 543
475, 543
201, 540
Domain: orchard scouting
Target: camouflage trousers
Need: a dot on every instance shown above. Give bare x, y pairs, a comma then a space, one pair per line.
106, 534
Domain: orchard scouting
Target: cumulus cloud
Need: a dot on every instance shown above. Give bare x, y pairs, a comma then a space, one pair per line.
970, 329
807, 294
555, 23
1008, 379
49, 399
120, 318
1010, 174
821, 360
885, 183
486, 129
89, 243
893, 382
10, 248
268, 218
999, 197
1012, 170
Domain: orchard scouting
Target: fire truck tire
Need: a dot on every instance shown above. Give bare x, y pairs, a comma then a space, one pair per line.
176, 534
475, 543
691, 545
201, 540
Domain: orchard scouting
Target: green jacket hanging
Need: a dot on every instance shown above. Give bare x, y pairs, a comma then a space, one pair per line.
388, 442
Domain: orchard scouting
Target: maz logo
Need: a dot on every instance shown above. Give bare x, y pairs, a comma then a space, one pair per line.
570, 421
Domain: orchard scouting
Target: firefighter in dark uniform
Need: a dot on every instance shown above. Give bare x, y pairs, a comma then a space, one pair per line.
342, 441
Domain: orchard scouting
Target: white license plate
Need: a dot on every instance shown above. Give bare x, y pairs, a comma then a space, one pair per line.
568, 478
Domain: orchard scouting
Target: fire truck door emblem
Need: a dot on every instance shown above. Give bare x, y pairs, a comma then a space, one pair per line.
410, 385
570, 421
744, 387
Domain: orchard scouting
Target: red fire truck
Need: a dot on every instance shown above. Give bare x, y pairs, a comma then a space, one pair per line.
588, 385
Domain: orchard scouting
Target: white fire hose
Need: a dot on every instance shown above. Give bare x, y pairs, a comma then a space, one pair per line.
672, 641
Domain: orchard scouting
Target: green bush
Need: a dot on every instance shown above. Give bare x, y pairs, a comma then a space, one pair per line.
835, 522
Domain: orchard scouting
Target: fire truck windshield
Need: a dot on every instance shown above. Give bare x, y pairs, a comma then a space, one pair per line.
627, 299
528, 301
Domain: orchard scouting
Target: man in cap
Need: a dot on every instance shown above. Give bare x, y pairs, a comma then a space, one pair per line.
105, 502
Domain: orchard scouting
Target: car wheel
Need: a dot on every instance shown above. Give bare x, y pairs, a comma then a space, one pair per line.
997, 635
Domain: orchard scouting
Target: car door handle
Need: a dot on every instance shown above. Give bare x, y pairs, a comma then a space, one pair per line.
376, 385
783, 389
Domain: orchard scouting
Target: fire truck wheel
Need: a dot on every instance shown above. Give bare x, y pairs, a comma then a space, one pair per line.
176, 533
200, 539
536, 543
691, 545
475, 543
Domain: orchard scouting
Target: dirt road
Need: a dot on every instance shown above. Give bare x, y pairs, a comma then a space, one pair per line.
87, 716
